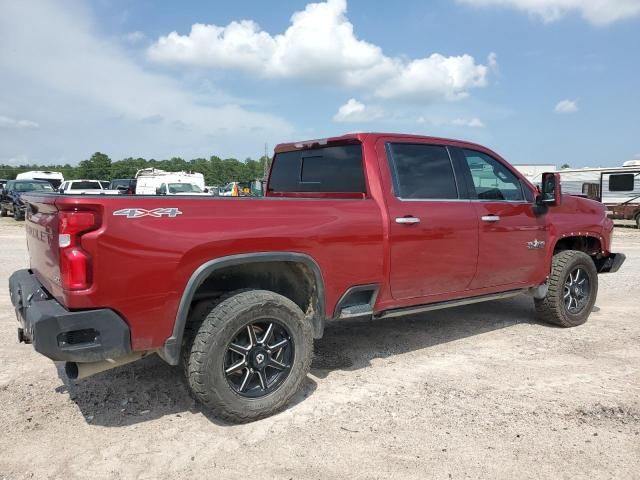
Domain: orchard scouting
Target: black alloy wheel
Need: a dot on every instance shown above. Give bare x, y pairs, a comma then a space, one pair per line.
259, 357
577, 291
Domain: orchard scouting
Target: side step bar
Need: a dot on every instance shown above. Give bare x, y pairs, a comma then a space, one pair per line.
399, 312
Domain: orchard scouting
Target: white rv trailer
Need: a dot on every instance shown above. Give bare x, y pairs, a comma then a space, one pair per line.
153, 181
611, 186
54, 178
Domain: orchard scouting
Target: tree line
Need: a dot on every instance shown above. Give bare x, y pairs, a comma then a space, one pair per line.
216, 171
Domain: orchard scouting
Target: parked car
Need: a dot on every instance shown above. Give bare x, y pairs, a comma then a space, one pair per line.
11, 200
124, 185
54, 178
358, 226
82, 187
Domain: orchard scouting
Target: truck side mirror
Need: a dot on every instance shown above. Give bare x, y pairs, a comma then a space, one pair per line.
550, 191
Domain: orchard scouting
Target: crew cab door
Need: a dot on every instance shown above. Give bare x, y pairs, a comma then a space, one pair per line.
512, 238
433, 230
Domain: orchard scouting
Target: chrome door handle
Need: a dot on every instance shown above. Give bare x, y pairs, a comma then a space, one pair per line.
407, 220
490, 218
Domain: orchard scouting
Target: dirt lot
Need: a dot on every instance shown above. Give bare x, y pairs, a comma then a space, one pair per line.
478, 391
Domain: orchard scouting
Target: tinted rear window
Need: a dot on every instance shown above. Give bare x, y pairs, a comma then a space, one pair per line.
85, 186
329, 169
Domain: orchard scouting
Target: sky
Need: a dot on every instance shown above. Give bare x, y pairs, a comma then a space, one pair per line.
538, 81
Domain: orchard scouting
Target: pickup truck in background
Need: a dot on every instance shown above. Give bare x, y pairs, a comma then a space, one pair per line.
236, 289
85, 187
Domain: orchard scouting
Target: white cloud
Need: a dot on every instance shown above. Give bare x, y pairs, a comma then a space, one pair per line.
7, 122
567, 106
598, 12
468, 122
355, 111
320, 46
92, 95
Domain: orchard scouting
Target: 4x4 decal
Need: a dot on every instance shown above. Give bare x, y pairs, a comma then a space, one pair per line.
141, 212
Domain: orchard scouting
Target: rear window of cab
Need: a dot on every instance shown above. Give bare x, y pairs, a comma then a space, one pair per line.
327, 169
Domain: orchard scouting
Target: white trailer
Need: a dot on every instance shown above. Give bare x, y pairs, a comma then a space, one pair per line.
54, 178
611, 186
152, 181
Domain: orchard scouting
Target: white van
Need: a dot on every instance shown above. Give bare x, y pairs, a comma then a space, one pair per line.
54, 178
152, 181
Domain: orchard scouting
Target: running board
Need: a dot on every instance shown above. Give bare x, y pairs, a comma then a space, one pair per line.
399, 312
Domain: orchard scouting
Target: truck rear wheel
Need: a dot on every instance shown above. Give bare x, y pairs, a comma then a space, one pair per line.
573, 287
249, 355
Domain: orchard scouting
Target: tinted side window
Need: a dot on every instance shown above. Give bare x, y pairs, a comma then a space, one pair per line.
329, 169
422, 171
621, 182
491, 179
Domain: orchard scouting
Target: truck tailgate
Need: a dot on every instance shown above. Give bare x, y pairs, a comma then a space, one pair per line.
41, 225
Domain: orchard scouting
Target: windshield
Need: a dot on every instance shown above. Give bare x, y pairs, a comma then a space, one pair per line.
32, 186
184, 188
85, 186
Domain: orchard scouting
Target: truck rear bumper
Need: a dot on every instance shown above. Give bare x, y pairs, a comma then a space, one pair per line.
612, 263
63, 335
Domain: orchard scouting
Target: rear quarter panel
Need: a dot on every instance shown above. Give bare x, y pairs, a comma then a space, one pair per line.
141, 265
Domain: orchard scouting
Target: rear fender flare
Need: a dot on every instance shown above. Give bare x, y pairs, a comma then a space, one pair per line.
171, 350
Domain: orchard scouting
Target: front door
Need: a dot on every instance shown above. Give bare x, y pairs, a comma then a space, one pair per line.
433, 230
512, 237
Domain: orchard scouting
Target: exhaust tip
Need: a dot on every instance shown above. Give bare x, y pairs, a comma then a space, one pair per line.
71, 369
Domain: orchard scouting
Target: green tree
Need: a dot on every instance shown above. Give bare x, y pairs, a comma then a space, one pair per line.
98, 167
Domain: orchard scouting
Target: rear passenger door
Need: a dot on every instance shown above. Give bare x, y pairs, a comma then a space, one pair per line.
433, 230
512, 237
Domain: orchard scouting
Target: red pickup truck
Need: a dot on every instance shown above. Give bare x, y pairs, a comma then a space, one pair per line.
236, 289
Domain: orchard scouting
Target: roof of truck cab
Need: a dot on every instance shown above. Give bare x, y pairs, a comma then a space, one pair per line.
369, 136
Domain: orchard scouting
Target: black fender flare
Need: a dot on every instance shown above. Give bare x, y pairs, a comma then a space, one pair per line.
171, 350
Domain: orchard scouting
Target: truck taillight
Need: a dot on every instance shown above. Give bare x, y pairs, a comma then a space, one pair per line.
75, 263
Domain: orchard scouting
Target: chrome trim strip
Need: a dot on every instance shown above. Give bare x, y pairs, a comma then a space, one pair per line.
451, 303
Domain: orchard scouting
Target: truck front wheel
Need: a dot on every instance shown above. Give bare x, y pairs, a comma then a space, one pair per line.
249, 355
573, 287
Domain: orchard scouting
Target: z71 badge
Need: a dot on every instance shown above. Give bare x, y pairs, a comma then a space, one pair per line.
141, 212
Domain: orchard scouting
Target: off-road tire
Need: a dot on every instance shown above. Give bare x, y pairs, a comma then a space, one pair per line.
199, 312
552, 308
221, 320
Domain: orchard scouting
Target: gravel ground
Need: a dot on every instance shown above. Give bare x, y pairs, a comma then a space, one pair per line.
477, 391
